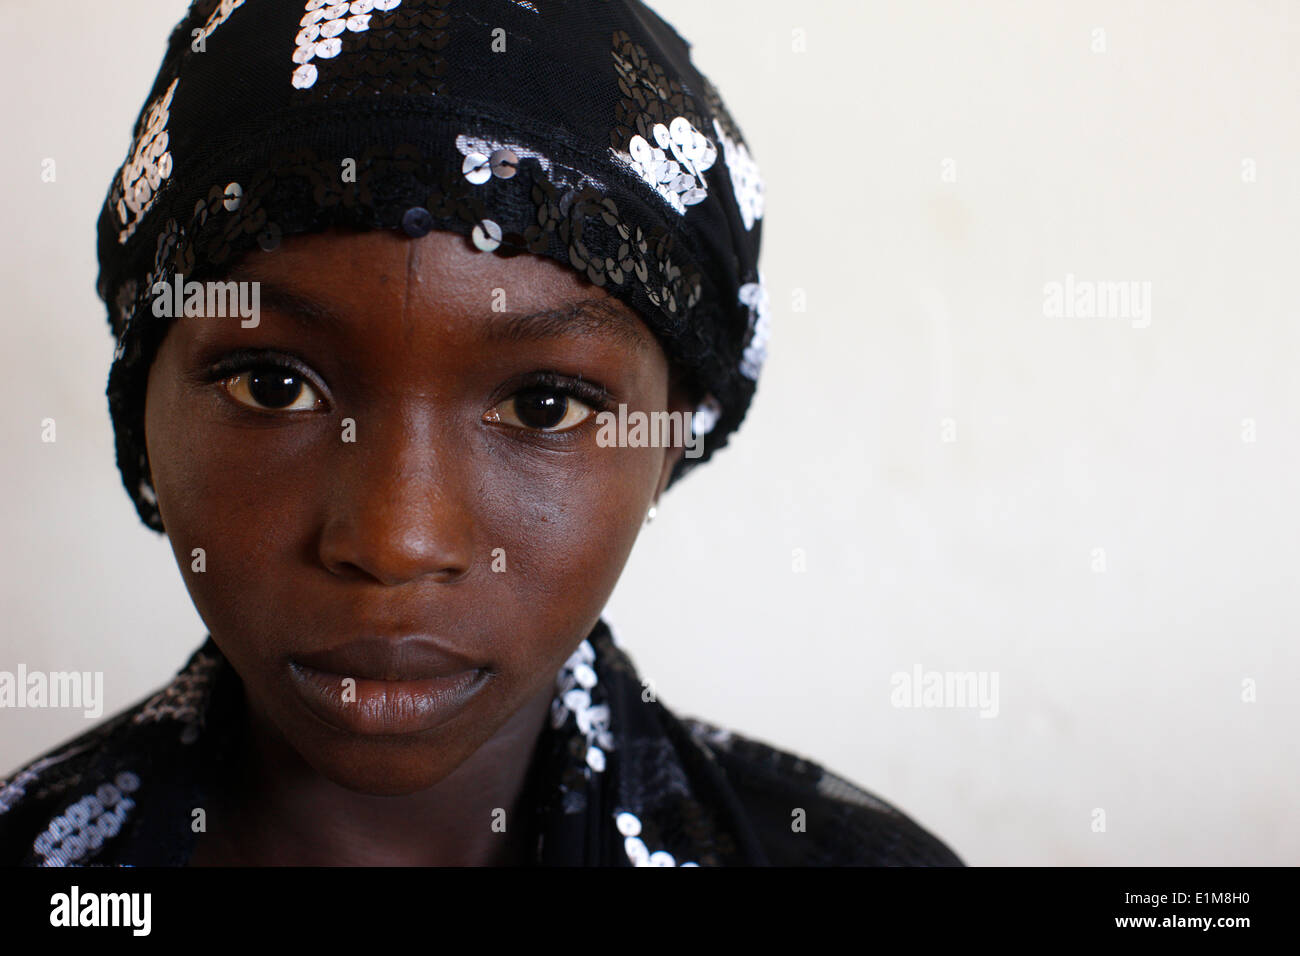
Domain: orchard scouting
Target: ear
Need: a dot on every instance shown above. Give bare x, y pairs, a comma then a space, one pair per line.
679, 401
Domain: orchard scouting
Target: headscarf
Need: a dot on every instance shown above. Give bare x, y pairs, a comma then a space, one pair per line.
574, 129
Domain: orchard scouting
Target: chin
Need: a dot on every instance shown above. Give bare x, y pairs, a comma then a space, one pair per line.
387, 767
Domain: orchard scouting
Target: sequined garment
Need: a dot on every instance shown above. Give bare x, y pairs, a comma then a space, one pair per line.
622, 782
578, 130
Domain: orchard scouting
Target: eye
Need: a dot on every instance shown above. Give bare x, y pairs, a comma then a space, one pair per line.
272, 387
543, 408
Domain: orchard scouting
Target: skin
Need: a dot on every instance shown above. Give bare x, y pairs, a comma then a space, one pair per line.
312, 541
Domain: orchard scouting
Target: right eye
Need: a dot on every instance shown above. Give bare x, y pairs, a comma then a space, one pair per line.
272, 387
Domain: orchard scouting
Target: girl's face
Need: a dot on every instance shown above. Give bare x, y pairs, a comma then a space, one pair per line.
402, 453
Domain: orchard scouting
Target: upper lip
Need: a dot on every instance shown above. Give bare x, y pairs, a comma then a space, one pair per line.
409, 657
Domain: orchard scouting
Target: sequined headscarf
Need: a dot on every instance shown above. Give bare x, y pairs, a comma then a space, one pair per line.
573, 129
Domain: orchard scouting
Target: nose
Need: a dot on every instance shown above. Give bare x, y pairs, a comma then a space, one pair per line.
398, 511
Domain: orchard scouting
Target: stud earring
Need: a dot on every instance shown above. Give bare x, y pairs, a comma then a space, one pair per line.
650, 515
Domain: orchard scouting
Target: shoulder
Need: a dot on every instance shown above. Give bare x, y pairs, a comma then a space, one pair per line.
69, 803
37, 795
841, 824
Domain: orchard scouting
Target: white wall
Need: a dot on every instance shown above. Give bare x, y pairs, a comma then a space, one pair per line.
1118, 689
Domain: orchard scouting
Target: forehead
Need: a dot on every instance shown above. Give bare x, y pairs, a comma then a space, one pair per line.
336, 279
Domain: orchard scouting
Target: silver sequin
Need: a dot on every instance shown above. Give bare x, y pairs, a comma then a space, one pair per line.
628, 824
636, 851
477, 168
754, 295
487, 235
332, 28
678, 177
328, 49
746, 181
234, 196
706, 415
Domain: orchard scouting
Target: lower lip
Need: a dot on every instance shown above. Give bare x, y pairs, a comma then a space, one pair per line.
385, 707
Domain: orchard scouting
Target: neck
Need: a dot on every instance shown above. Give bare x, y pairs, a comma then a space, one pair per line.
278, 810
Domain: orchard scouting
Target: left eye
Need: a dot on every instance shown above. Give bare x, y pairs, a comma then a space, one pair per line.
541, 409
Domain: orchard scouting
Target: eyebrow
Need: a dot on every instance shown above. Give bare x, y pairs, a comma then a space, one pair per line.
583, 317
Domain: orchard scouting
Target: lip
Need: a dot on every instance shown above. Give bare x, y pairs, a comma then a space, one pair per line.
399, 686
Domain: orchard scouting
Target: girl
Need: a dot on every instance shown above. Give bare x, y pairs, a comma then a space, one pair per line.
463, 238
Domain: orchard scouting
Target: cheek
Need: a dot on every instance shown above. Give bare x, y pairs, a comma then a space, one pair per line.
567, 530
233, 493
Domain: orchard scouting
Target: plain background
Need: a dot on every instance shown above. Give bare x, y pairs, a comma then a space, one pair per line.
922, 301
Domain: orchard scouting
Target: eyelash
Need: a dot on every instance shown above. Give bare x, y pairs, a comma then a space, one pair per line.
246, 360
589, 393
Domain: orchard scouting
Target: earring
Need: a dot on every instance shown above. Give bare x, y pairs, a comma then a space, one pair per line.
650, 515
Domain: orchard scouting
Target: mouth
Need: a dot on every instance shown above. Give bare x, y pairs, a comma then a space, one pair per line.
386, 686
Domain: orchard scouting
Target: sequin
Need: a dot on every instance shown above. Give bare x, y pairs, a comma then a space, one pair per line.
142, 175
234, 193
396, 54
307, 35
505, 163
656, 107
586, 677
417, 221
628, 824
487, 235
332, 28
706, 415
577, 700
304, 76
680, 180
596, 759
662, 858
754, 295
477, 168
328, 49
746, 181
636, 851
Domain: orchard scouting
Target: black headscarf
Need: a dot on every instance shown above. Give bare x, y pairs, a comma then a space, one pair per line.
573, 129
